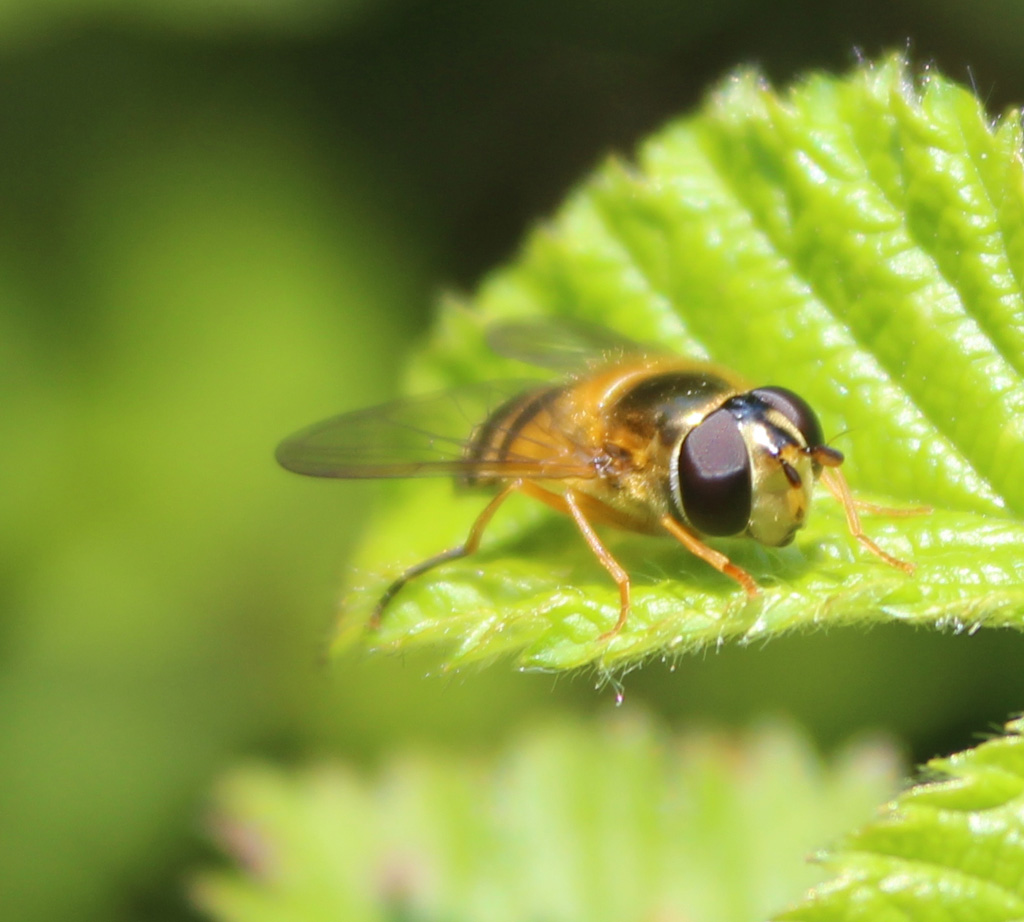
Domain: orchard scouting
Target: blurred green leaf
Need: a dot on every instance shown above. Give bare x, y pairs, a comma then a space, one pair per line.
947, 849
152, 622
614, 821
858, 240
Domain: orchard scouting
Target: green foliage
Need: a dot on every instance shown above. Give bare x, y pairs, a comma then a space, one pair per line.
948, 849
858, 240
615, 821
153, 615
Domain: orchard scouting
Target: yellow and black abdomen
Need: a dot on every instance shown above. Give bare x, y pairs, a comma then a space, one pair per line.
518, 433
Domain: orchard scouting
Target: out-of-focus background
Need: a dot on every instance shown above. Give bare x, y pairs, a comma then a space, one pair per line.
221, 220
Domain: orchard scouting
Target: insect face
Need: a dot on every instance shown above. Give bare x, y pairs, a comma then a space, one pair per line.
783, 480
749, 467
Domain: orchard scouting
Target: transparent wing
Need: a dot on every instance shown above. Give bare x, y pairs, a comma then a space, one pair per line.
562, 344
418, 437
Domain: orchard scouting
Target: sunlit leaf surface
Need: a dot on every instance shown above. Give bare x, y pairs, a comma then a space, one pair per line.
858, 240
948, 849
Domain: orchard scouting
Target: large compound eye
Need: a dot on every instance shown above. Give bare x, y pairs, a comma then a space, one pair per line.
715, 477
796, 410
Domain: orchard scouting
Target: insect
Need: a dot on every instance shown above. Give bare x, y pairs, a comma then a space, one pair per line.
630, 437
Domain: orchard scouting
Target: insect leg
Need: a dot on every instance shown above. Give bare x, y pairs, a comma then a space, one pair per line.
838, 487
468, 547
709, 555
569, 504
602, 553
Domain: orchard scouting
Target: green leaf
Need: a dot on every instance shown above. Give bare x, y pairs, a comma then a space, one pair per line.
948, 849
611, 821
859, 240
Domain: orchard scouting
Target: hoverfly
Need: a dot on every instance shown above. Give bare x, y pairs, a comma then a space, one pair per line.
630, 437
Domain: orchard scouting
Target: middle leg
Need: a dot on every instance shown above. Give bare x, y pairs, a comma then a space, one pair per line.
570, 503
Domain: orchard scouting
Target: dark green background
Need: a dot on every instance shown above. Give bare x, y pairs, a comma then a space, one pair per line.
221, 221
